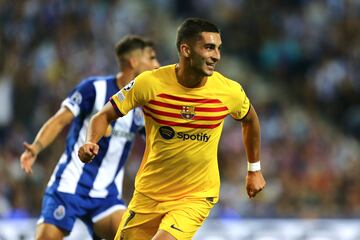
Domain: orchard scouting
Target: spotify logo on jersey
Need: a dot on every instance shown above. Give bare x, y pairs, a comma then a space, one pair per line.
168, 133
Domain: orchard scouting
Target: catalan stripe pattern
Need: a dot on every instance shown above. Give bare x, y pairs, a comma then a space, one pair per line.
172, 110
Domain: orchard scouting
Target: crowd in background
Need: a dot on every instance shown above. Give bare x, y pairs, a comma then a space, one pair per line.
299, 62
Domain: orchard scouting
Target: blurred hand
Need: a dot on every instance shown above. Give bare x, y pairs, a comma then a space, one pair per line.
28, 157
88, 151
255, 182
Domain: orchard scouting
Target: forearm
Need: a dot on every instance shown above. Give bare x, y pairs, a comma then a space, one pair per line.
100, 122
97, 127
251, 137
47, 134
255, 181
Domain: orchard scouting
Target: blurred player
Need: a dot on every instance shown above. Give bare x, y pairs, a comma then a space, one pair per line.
184, 105
90, 192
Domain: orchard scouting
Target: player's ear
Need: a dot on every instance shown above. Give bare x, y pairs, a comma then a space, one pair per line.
133, 62
185, 50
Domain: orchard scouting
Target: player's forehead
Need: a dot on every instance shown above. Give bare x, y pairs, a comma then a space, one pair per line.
209, 38
139, 52
149, 50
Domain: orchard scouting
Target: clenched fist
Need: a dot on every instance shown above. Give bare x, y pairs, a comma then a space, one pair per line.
255, 182
88, 151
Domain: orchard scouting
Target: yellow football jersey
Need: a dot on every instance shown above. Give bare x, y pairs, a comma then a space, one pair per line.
183, 128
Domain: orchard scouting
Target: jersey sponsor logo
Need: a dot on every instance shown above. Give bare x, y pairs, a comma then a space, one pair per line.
76, 98
129, 85
129, 136
187, 112
59, 212
200, 137
110, 131
168, 133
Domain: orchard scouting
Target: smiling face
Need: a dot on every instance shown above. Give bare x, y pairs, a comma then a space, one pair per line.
204, 52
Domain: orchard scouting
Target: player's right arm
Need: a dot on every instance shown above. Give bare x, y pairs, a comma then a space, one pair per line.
46, 135
132, 95
96, 130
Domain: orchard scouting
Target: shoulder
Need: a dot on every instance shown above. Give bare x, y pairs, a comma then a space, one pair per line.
156, 76
226, 82
159, 72
94, 79
90, 82
87, 82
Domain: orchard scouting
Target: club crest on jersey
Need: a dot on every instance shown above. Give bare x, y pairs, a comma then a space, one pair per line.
187, 112
59, 212
76, 98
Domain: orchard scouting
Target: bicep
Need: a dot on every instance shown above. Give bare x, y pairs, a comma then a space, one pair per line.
63, 116
250, 116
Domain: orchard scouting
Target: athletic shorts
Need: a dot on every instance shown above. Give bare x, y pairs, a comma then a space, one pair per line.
181, 218
62, 209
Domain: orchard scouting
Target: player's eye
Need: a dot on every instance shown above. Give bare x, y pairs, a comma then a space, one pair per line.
209, 46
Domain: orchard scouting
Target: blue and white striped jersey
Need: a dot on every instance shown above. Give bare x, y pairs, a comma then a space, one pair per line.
104, 175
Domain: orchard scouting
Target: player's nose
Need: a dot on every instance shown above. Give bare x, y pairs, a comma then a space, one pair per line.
216, 55
156, 64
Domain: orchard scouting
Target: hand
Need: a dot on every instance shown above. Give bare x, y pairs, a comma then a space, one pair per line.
88, 151
28, 157
255, 182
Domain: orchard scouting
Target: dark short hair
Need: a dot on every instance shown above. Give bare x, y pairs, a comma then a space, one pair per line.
192, 27
130, 43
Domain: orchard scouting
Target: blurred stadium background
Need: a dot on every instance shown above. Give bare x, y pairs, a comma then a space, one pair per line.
298, 60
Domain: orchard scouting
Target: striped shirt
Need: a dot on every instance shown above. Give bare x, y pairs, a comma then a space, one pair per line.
104, 175
183, 128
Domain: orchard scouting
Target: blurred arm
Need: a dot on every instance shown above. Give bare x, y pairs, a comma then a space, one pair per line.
46, 135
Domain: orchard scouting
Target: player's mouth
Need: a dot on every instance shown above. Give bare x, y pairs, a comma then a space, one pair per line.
211, 66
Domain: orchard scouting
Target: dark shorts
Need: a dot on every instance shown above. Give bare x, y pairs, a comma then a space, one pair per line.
62, 209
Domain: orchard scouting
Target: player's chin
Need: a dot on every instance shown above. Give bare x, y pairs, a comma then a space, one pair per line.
208, 72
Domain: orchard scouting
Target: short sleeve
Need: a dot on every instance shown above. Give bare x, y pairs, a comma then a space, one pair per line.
81, 99
134, 94
240, 102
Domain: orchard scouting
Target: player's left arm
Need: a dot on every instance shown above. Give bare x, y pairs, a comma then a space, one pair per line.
255, 181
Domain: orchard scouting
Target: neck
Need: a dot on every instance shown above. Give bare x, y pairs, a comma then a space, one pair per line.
187, 77
124, 77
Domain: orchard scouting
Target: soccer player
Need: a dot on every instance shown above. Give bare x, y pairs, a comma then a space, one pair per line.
184, 105
90, 192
